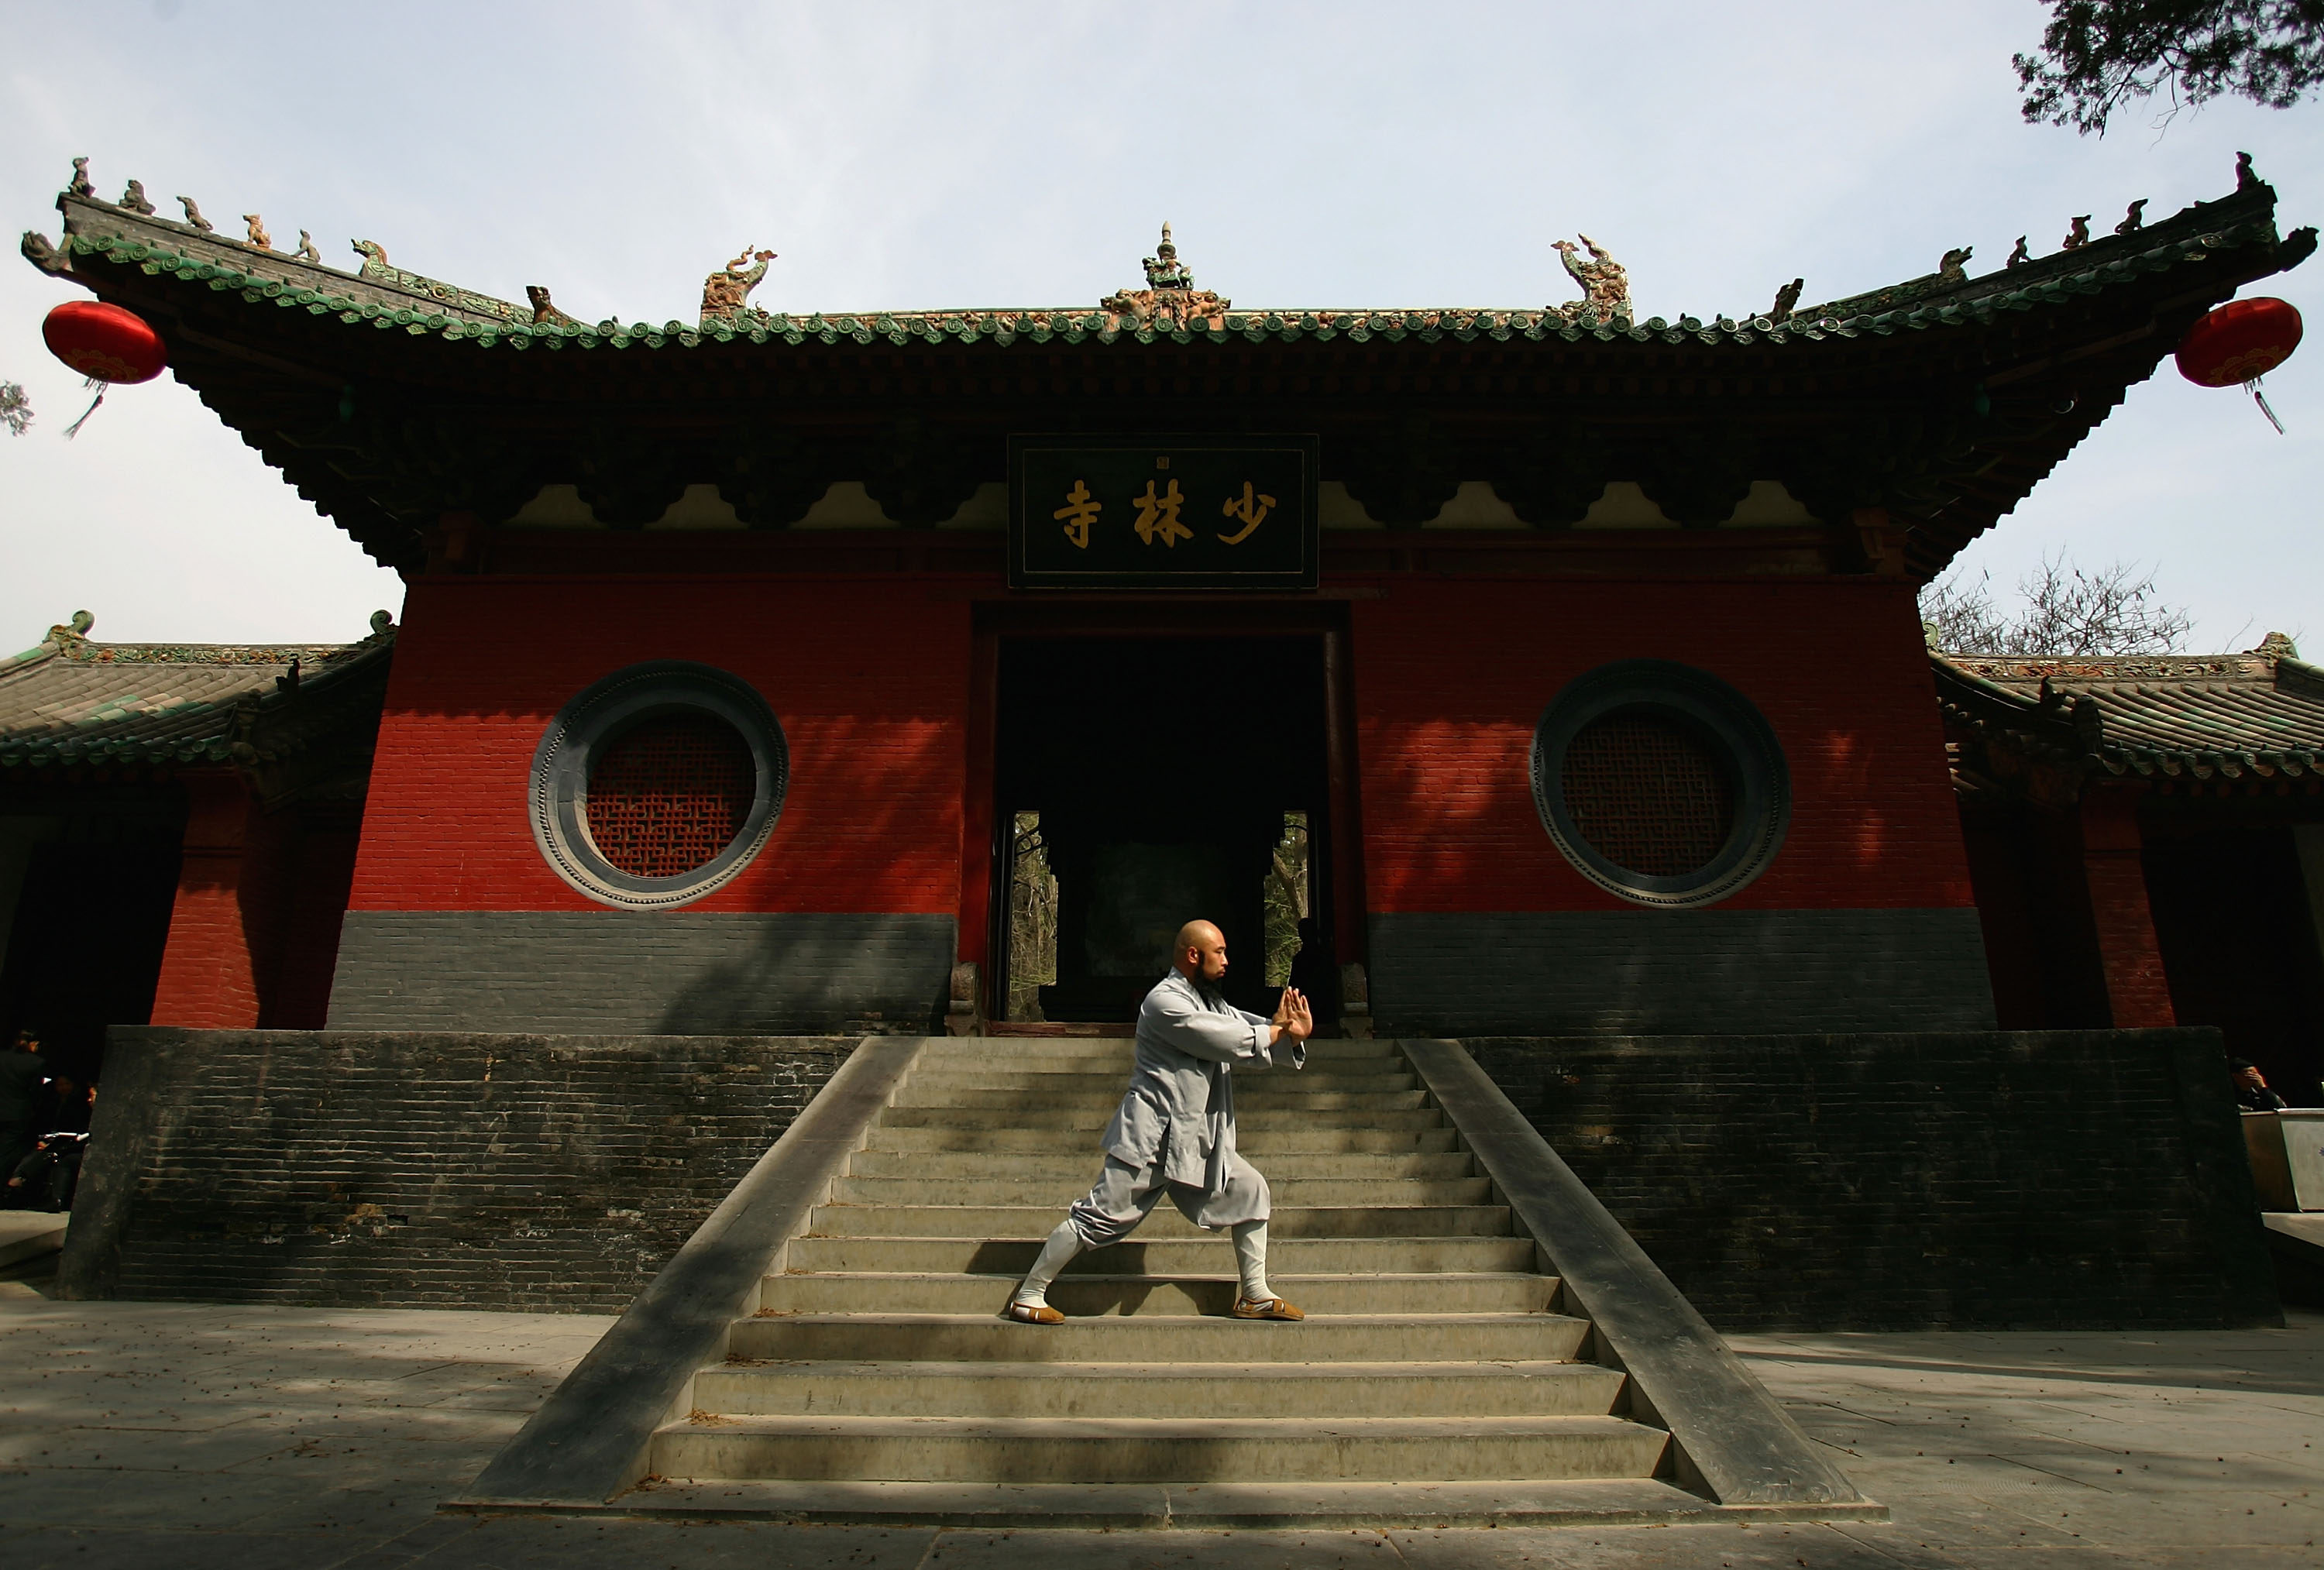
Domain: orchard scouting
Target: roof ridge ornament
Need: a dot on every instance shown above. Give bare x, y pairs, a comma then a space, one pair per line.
1605, 282
377, 268
73, 633
727, 293
2277, 645
1169, 299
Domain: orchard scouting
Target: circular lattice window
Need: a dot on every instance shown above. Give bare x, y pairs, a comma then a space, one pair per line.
1660, 783
658, 784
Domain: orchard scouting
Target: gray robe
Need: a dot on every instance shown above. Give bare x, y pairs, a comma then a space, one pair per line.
1180, 1106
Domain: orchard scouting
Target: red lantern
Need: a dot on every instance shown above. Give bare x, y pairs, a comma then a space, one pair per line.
105, 342
2241, 342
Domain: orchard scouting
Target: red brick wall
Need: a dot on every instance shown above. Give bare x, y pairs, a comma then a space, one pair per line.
210, 971
869, 679
1450, 678
255, 928
2138, 994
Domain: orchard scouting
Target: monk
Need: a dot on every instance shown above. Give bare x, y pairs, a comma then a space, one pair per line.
1175, 1131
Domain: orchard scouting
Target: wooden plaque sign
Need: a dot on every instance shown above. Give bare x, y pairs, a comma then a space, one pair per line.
1164, 512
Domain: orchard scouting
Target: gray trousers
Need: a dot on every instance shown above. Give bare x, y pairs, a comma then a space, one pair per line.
1124, 1196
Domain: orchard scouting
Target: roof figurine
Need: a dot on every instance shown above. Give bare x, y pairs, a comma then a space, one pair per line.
194, 214
543, 308
2019, 256
1163, 269
258, 234
1787, 300
2077, 235
80, 186
134, 199
43, 255
1954, 267
307, 252
727, 293
2133, 220
1605, 282
1169, 297
2246, 177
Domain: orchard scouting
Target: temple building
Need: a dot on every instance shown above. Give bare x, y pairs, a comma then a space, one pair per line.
1548, 670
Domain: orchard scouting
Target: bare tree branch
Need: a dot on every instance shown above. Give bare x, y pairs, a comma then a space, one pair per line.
2063, 610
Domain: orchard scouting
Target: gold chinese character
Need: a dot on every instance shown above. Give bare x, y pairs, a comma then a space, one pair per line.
1158, 516
1252, 509
1077, 514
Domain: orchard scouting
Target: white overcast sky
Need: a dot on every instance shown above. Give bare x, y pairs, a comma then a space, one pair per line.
982, 153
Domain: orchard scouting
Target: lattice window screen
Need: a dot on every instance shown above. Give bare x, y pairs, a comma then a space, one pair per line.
1647, 795
670, 795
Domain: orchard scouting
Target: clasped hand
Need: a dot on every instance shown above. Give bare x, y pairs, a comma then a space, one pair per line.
1293, 1017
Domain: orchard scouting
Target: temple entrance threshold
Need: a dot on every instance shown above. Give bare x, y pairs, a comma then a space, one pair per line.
1145, 781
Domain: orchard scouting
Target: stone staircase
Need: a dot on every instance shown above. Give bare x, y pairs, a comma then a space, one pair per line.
1435, 1350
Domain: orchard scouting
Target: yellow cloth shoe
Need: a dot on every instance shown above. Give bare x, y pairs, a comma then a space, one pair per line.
1042, 1314
1265, 1308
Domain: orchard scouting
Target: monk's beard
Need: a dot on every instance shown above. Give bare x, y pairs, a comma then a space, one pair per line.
1211, 992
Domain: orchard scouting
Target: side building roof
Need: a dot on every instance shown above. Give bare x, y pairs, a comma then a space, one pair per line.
299, 719
2045, 725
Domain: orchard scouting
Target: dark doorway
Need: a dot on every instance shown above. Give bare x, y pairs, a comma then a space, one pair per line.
88, 899
2239, 947
1142, 782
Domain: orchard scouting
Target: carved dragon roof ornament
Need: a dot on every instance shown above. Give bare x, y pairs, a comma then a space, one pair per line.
1605, 282
376, 267
727, 293
1169, 297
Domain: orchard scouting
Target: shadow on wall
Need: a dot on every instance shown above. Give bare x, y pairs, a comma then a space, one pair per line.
869, 975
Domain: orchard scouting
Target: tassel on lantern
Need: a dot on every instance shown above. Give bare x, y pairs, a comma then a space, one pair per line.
102, 386
2260, 399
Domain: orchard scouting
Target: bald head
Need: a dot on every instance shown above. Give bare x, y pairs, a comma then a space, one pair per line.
1200, 953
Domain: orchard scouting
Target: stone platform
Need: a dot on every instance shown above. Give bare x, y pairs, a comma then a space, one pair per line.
251, 1437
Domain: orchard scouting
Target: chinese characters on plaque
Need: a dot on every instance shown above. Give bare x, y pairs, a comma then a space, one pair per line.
1206, 512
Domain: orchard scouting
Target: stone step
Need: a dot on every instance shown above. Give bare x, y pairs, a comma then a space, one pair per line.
1250, 1097
1158, 1390
1596, 1502
984, 1337
980, 1221
1288, 1257
991, 1049
1156, 1295
1253, 1143
1033, 1191
1079, 1169
1092, 1119
1248, 1450
1112, 1078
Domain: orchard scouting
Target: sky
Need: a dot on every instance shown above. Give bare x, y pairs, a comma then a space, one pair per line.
900, 154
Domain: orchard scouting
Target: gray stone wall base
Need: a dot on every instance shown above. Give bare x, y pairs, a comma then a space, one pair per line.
1678, 972
2034, 1180
653, 972
419, 1169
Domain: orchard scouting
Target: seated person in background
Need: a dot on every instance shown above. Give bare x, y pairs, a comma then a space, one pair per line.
2251, 1093
45, 1179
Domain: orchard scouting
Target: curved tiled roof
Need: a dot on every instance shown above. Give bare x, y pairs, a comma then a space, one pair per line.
394, 401
71, 700
2229, 715
1929, 304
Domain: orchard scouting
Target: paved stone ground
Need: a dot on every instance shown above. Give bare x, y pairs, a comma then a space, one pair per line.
239, 1439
